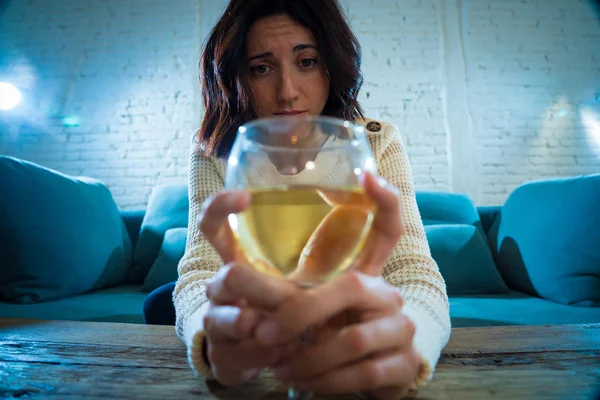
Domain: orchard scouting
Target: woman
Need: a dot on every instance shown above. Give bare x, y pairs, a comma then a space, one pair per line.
381, 327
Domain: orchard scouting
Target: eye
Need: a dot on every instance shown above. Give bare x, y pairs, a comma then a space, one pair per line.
260, 69
308, 62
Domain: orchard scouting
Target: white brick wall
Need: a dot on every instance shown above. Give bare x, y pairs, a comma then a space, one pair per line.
488, 94
127, 68
532, 67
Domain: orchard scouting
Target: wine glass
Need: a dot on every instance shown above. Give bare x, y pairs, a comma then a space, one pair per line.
309, 216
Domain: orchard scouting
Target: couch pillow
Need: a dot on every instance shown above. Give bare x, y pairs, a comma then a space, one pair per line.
168, 208
447, 208
59, 235
546, 241
164, 269
464, 259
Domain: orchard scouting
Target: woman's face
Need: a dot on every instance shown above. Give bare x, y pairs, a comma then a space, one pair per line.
285, 75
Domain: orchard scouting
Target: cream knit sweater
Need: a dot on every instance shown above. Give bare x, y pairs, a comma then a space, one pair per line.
410, 268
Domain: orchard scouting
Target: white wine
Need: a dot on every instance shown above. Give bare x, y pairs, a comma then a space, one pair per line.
307, 234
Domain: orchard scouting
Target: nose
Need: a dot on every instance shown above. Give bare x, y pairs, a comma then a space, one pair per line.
287, 92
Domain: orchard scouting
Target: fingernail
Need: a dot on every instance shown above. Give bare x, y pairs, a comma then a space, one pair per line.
250, 374
382, 182
388, 186
362, 177
268, 332
283, 371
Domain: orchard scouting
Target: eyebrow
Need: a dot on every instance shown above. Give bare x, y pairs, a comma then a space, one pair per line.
297, 48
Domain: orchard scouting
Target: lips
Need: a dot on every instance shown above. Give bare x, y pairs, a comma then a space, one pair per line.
290, 113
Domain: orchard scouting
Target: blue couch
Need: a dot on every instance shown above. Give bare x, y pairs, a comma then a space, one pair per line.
489, 282
121, 303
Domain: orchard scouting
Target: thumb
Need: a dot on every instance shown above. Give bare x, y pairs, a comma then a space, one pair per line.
387, 227
213, 222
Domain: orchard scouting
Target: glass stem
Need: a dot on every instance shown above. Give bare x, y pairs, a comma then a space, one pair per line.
294, 394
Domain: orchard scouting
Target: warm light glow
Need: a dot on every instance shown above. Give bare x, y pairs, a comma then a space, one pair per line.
9, 96
310, 165
591, 122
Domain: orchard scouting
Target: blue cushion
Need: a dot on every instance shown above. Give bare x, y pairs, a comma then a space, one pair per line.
168, 208
488, 215
546, 241
164, 269
447, 208
515, 308
464, 259
118, 304
59, 235
133, 222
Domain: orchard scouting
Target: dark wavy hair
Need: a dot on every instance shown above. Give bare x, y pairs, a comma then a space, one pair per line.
223, 65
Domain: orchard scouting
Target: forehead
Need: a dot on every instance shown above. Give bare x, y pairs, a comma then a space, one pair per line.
271, 33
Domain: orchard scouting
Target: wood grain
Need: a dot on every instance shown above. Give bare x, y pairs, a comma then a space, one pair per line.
77, 360
116, 334
516, 339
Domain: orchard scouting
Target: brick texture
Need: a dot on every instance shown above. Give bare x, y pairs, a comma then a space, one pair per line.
488, 94
127, 69
533, 71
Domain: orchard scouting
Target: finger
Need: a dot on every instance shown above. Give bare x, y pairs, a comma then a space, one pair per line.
336, 237
239, 281
214, 225
245, 355
396, 369
233, 363
328, 329
310, 307
387, 226
350, 345
228, 323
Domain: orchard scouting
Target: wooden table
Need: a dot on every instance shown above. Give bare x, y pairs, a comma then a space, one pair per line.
76, 360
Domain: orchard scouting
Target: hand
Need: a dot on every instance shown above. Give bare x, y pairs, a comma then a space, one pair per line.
371, 351
339, 231
238, 296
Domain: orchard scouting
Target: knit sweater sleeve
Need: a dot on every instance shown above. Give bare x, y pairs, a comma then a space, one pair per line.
200, 261
411, 268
